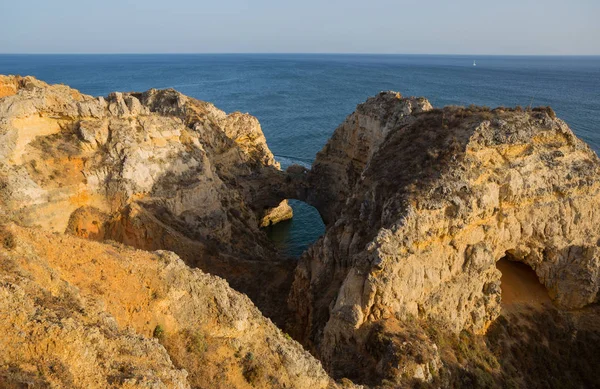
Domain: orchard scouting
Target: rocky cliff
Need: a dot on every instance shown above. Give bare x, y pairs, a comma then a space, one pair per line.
61, 150
154, 170
77, 313
421, 203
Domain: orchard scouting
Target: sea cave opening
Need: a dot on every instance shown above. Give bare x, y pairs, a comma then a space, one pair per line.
520, 284
292, 237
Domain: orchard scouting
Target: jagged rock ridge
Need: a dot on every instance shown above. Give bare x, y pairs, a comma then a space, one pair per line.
155, 170
422, 202
419, 205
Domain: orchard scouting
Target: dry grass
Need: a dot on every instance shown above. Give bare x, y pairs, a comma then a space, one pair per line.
7, 239
526, 348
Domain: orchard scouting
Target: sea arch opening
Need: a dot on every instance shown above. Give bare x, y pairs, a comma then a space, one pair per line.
292, 237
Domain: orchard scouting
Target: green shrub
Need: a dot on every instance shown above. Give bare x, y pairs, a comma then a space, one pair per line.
251, 370
159, 332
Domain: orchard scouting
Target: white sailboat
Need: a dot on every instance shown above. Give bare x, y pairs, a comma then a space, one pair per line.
474, 64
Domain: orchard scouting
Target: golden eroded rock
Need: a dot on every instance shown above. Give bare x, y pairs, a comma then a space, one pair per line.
155, 170
421, 203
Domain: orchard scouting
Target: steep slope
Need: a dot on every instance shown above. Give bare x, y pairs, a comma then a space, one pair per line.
77, 313
422, 211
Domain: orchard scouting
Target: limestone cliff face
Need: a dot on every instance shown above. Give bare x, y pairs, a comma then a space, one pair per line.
424, 208
419, 205
61, 150
77, 313
338, 167
156, 170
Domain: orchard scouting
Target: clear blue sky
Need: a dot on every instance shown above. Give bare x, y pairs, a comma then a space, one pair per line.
304, 26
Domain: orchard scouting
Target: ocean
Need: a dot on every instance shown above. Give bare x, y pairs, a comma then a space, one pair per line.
301, 98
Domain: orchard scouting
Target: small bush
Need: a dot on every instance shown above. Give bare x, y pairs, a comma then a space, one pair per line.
8, 240
548, 110
251, 370
197, 344
159, 332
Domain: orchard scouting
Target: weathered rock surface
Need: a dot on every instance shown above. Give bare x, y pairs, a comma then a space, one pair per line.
278, 214
77, 313
338, 167
156, 170
61, 150
420, 204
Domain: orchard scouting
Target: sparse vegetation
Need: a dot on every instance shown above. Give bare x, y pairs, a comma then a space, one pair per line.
197, 344
530, 348
8, 239
159, 332
547, 110
251, 370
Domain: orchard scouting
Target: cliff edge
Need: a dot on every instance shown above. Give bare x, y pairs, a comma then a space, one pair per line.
421, 203
119, 215
155, 170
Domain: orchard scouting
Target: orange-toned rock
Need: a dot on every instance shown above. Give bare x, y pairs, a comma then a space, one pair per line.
77, 313
421, 203
205, 178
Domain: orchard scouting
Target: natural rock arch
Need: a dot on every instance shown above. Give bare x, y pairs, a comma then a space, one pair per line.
295, 235
422, 205
155, 170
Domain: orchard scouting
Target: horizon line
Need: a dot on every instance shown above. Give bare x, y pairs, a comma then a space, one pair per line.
311, 53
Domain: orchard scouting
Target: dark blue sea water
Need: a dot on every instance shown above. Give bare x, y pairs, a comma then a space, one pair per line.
301, 98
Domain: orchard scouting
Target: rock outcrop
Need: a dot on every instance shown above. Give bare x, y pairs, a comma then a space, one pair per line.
77, 313
278, 214
420, 203
61, 150
339, 166
155, 170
